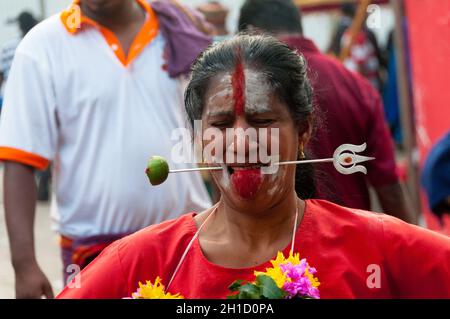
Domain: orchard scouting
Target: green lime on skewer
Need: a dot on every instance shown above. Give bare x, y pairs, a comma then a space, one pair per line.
157, 170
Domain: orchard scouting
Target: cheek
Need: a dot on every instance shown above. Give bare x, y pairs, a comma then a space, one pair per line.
288, 144
283, 144
213, 146
222, 178
277, 181
279, 143
268, 144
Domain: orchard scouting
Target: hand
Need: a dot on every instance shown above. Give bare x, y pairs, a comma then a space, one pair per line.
31, 283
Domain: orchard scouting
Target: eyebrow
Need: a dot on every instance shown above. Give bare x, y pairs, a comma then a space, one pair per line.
257, 111
220, 113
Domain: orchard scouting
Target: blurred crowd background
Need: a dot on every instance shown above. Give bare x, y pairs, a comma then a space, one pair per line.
327, 20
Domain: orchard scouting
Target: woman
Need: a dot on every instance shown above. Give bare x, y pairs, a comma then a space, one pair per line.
258, 82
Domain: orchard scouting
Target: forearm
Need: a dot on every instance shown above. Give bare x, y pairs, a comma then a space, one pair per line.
394, 201
20, 203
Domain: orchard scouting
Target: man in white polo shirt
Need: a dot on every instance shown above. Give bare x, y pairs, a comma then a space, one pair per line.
94, 91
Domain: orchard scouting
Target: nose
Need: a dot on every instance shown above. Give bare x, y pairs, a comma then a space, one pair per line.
242, 142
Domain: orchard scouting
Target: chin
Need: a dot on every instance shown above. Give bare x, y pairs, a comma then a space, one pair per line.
101, 7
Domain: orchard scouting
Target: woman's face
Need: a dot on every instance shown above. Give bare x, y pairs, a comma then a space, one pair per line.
243, 124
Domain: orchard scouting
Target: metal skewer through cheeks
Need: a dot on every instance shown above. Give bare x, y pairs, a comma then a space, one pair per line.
345, 159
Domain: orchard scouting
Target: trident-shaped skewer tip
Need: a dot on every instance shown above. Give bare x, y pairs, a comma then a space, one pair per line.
345, 159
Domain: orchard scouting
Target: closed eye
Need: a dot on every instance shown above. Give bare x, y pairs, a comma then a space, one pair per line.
262, 122
221, 124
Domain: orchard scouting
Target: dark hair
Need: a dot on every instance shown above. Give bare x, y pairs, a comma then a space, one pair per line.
26, 22
271, 16
285, 69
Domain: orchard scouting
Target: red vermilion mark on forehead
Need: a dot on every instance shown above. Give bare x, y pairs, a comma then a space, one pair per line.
238, 83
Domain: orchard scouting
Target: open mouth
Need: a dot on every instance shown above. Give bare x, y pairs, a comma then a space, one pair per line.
245, 167
246, 179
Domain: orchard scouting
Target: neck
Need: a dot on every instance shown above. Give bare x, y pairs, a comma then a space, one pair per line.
262, 228
126, 12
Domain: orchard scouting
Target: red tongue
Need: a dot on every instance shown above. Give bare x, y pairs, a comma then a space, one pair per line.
246, 182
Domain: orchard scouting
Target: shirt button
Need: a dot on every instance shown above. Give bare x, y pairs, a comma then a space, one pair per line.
115, 47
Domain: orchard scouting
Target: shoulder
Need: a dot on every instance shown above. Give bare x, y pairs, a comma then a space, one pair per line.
332, 68
414, 262
398, 232
142, 256
331, 215
390, 230
164, 238
177, 227
44, 35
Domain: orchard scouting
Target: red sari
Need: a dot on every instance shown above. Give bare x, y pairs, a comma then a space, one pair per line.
357, 254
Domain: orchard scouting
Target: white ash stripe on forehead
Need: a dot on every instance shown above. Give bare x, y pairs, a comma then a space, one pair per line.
257, 91
226, 89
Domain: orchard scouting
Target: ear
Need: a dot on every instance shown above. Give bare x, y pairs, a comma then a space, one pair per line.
305, 131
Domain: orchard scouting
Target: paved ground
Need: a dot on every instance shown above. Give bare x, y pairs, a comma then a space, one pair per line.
47, 249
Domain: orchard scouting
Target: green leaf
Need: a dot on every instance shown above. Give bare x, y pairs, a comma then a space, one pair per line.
235, 285
249, 291
269, 288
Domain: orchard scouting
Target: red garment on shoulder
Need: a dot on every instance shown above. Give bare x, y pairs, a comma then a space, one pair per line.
348, 247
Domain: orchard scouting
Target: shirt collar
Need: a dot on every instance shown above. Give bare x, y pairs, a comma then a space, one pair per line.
74, 20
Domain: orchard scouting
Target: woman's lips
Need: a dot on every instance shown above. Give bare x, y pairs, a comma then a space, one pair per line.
242, 168
235, 168
246, 181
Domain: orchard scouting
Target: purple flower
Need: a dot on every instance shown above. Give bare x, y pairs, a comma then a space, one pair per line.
300, 285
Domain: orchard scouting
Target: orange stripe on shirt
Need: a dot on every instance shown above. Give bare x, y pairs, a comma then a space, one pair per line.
73, 20
147, 33
19, 156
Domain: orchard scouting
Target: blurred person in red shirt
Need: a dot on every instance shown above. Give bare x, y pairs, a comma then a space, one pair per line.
350, 110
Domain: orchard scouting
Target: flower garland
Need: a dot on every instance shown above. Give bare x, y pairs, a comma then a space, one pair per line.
288, 278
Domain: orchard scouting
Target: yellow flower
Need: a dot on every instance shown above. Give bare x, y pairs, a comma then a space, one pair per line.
314, 280
293, 259
276, 273
154, 291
